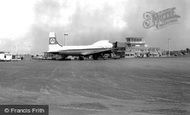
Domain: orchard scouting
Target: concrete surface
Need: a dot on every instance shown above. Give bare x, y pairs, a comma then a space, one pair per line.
154, 86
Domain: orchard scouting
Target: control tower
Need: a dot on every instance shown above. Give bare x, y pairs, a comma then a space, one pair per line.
135, 42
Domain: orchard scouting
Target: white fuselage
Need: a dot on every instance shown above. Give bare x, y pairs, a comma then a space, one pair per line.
103, 44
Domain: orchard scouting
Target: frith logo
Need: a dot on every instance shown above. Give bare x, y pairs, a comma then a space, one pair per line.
160, 19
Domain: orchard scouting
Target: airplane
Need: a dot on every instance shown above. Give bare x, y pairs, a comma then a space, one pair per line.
96, 50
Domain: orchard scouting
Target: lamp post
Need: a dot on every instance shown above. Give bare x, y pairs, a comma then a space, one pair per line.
65, 34
168, 46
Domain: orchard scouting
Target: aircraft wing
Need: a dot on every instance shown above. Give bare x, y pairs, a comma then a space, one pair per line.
95, 51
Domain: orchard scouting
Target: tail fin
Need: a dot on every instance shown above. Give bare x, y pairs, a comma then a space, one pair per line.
52, 38
53, 46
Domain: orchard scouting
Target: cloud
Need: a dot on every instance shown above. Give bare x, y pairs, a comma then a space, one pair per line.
16, 18
88, 21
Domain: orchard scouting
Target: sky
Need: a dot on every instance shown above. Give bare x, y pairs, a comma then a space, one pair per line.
25, 24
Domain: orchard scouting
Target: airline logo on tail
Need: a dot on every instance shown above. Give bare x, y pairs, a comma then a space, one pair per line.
52, 38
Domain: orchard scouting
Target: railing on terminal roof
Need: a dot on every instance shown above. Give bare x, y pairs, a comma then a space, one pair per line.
134, 39
135, 42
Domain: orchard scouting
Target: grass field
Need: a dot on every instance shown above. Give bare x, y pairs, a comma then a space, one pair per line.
153, 86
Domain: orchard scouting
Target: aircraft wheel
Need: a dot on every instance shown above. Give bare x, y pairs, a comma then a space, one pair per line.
95, 57
81, 58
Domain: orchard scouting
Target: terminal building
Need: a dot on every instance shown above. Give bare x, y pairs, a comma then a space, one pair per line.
136, 47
